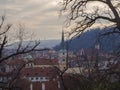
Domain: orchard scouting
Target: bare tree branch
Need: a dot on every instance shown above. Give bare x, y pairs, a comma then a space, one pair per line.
78, 11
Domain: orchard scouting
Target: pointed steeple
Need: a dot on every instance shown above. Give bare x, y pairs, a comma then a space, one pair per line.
62, 41
82, 52
62, 54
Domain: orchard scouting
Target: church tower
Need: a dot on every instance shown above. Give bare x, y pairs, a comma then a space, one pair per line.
62, 41
62, 53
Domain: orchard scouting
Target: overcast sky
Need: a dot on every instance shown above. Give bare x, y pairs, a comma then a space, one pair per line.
39, 16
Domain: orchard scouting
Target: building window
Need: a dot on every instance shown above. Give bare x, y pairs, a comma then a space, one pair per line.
31, 78
41, 78
46, 78
36, 78
63, 59
27, 74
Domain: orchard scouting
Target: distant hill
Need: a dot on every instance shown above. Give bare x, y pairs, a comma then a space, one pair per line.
43, 43
92, 37
49, 43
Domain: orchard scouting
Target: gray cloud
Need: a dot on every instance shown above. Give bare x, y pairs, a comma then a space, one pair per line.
40, 17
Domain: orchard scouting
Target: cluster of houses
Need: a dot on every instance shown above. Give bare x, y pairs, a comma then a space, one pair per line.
42, 71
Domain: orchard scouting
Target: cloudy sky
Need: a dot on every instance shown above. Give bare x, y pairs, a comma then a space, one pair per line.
39, 16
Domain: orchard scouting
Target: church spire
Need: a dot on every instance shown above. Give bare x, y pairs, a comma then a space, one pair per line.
62, 54
82, 52
62, 41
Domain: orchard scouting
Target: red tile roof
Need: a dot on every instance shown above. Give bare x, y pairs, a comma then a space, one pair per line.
46, 62
15, 62
39, 72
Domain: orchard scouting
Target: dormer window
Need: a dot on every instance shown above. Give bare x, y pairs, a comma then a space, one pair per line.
27, 74
41, 78
36, 78
31, 78
46, 78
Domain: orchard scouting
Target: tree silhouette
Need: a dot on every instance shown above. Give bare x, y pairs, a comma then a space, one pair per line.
18, 49
83, 14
